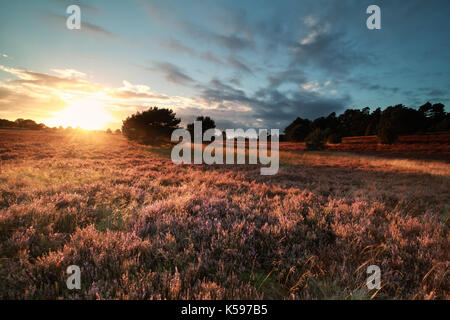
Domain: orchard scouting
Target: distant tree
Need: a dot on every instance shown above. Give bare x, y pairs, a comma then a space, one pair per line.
108, 131
28, 124
298, 130
334, 138
443, 125
387, 134
151, 126
6, 123
354, 122
372, 126
435, 117
207, 123
387, 124
316, 139
117, 131
402, 119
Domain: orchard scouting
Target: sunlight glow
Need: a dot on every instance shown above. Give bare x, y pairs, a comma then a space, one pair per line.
86, 113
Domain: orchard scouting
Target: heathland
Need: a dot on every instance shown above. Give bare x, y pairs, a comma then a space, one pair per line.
141, 227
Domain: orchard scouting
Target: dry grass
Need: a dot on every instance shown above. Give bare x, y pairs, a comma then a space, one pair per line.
141, 227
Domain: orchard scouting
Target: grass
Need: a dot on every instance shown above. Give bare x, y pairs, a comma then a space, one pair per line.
141, 227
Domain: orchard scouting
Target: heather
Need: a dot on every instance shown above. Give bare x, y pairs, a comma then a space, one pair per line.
141, 227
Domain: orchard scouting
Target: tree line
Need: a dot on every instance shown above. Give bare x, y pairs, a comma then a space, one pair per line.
156, 124
22, 124
387, 124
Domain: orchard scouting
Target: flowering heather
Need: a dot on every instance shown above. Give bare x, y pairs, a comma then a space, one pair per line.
141, 227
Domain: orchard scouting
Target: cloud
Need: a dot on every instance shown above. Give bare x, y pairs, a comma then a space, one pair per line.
235, 40
136, 92
83, 6
96, 29
16, 102
327, 51
362, 83
232, 61
274, 108
172, 73
232, 42
177, 46
239, 65
36, 80
85, 26
293, 76
39, 95
69, 73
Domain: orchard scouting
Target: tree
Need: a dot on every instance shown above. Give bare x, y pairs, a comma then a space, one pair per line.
6, 123
108, 131
152, 126
354, 122
334, 138
298, 130
436, 119
207, 123
404, 120
387, 134
28, 124
316, 139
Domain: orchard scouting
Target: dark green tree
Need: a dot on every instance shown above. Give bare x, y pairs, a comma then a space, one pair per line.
152, 126
298, 130
316, 139
207, 123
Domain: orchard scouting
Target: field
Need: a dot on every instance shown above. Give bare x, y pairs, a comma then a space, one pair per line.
434, 146
141, 227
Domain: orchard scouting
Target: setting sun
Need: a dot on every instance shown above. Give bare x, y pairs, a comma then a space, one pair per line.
86, 114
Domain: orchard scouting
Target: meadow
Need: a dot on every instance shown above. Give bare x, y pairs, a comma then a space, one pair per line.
141, 227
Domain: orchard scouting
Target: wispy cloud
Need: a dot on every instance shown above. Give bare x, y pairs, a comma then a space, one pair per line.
85, 26
172, 73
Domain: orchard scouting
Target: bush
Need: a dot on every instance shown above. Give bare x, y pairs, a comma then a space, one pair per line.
334, 138
316, 140
387, 135
152, 126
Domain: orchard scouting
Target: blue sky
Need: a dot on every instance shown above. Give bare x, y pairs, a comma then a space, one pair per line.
245, 63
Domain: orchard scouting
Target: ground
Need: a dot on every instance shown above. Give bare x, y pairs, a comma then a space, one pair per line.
141, 227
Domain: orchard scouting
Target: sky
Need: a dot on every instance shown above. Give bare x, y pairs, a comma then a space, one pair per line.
246, 63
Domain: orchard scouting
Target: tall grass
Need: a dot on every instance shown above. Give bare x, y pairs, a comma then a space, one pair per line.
141, 227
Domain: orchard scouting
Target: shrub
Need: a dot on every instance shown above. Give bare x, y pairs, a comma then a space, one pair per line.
316, 140
151, 126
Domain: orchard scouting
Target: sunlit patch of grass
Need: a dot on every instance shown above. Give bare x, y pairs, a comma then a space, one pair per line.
25, 175
365, 162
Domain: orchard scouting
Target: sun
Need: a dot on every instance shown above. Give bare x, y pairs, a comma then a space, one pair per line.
84, 113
